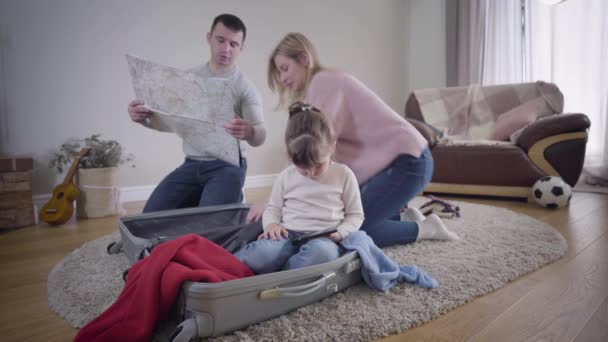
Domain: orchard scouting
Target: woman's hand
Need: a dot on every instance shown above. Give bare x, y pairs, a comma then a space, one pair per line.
255, 212
336, 237
274, 232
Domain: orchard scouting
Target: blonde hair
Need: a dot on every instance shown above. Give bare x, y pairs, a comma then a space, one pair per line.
294, 46
309, 137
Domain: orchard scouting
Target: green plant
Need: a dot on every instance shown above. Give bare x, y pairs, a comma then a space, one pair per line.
103, 153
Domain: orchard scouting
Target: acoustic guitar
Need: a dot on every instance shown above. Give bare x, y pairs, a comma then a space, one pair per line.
60, 207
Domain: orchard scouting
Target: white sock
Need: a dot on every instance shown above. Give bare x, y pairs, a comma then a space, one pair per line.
412, 214
433, 229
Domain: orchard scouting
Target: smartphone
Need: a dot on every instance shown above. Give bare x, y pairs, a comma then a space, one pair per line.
315, 234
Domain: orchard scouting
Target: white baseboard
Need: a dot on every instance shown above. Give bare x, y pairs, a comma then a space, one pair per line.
136, 193
260, 181
142, 192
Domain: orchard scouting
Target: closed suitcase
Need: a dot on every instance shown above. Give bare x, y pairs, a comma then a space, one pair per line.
213, 309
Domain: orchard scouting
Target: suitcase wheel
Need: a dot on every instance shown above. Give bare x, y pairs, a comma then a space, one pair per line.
114, 247
144, 253
184, 332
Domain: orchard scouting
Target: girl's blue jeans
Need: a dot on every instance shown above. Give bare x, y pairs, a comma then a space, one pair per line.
265, 255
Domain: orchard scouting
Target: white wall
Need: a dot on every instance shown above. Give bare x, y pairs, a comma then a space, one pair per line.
64, 72
426, 49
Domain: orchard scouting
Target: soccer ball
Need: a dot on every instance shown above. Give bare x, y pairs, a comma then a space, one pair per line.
552, 192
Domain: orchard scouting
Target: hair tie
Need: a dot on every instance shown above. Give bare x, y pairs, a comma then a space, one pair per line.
299, 107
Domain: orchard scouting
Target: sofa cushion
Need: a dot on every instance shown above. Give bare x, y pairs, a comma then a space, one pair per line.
509, 122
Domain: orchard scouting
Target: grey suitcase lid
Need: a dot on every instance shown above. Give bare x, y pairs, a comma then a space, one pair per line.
183, 211
177, 213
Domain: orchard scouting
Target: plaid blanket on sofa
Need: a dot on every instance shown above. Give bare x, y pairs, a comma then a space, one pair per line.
470, 112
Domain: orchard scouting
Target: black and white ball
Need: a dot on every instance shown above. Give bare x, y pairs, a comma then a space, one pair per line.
552, 192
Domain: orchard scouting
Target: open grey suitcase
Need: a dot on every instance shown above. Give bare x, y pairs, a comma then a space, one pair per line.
213, 309
222, 224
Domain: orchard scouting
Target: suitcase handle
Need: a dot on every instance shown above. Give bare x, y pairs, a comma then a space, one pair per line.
299, 290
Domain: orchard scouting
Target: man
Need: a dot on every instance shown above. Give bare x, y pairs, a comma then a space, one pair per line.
203, 180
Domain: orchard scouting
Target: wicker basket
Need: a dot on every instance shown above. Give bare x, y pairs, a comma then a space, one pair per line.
99, 192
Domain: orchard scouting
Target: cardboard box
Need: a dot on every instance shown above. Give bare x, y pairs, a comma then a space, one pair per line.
15, 218
16, 163
16, 205
15, 181
16, 200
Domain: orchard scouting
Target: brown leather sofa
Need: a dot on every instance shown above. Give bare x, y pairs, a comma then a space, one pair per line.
551, 145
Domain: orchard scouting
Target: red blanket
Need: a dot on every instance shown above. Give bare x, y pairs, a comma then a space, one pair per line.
153, 284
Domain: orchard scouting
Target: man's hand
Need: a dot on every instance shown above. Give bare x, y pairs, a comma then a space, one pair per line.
255, 212
274, 232
137, 112
239, 128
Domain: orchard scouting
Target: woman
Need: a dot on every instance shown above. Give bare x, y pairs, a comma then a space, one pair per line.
389, 157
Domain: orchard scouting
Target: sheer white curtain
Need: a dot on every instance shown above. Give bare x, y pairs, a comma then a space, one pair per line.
503, 48
485, 42
569, 46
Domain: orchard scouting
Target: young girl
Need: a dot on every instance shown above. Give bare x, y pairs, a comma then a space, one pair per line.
313, 194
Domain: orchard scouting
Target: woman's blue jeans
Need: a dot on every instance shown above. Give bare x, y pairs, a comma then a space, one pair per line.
199, 183
386, 193
266, 255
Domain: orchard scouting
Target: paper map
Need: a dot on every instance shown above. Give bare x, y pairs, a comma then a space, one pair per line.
188, 105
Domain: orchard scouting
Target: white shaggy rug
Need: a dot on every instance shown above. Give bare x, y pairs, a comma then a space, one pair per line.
497, 246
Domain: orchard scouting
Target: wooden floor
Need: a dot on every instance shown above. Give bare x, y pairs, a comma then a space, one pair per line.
565, 301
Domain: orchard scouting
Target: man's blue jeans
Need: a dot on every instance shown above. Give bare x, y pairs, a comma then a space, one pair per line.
266, 255
199, 183
386, 193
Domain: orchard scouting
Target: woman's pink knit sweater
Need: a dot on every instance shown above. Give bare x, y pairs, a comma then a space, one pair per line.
370, 134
